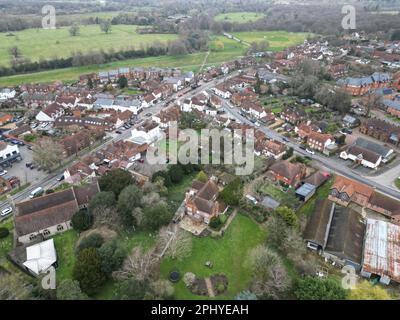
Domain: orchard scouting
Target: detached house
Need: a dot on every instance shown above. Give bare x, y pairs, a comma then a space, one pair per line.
50, 113
293, 115
287, 173
201, 203
319, 141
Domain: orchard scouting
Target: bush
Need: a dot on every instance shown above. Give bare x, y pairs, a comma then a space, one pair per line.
94, 240
220, 287
87, 270
81, 221
4, 233
216, 223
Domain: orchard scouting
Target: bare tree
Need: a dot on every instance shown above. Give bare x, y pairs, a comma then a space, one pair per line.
105, 216
15, 52
177, 244
269, 274
139, 265
74, 30
105, 26
47, 154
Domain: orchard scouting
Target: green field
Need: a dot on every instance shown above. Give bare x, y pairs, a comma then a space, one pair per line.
227, 254
239, 17
278, 40
221, 49
36, 44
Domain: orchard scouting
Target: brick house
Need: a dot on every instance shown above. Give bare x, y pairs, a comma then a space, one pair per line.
381, 130
201, 203
293, 115
345, 191
287, 173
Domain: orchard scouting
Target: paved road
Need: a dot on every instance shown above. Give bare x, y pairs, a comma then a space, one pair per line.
329, 163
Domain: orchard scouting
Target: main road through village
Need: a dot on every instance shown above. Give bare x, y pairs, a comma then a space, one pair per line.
329, 163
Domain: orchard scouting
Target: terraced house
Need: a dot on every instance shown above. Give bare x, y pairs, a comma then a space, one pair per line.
361, 86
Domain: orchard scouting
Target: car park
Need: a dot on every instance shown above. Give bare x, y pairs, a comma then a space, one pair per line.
6, 211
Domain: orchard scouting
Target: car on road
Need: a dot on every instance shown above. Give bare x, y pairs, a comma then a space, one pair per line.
61, 178
257, 124
285, 139
148, 114
36, 193
6, 211
118, 132
345, 131
310, 151
3, 172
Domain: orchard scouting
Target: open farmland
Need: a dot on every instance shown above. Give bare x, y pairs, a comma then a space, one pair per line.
278, 40
36, 44
239, 17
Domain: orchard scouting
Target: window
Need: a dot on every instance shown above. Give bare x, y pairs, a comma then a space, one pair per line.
60, 227
46, 232
32, 237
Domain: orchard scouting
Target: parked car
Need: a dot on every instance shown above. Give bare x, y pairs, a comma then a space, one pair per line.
6, 211
118, 132
310, 151
61, 178
285, 139
28, 164
3, 172
148, 114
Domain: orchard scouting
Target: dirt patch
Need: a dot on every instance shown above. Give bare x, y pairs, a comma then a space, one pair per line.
199, 287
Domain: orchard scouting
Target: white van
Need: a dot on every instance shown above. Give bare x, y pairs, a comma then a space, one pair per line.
36, 193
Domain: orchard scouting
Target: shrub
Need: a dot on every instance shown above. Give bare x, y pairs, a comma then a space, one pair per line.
94, 240
81, 221
216, 223
4, 233
220, 287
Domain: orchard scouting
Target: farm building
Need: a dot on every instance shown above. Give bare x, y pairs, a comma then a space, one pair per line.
382, 251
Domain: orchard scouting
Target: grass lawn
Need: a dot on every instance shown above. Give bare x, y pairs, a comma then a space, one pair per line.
6, 244
239, 17
397, 182
47, 43
278, 40
322, 193
65, 247
273, 191
227, 254
229, 50
187, 62
176, 193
